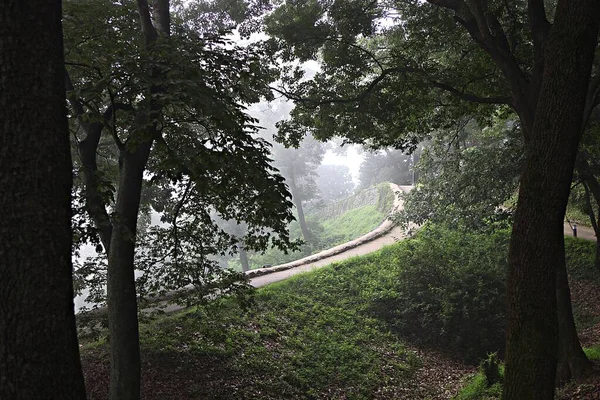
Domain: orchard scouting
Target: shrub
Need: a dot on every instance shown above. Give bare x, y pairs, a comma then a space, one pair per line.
490, 367
452, 290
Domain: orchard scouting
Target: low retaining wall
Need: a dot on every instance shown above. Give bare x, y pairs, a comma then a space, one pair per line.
381, 230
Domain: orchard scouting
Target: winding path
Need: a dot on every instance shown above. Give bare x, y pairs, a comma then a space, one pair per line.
384, 235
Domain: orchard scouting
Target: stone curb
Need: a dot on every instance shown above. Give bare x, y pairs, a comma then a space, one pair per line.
385, 227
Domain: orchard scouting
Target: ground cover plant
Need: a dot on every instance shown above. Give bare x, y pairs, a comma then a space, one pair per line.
342, 332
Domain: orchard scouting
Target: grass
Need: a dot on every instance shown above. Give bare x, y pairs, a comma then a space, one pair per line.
307, 337
593, 353
326, 234
352, 224
478, 389
325, 334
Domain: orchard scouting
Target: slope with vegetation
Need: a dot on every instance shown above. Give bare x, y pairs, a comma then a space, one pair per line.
334, 224
407, 322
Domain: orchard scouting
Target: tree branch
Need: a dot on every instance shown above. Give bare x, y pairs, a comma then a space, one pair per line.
588, 201
384, 74
472, 97
87, 152
538, 23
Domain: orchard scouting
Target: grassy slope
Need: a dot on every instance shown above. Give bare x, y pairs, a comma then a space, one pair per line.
328, 233
352, 224
317, 335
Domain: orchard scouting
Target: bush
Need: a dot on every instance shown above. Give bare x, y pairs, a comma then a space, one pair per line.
580, 255
452, 291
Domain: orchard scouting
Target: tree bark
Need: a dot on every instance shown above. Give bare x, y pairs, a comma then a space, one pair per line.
572, 361
537, 240
39, 354
121, 294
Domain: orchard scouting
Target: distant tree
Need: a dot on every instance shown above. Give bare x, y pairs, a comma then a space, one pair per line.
385, 166
334, 182
299, 168
467, 184
39, 354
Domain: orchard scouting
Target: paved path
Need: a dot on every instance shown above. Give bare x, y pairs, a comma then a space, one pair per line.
583, 232
384, 235
368, 247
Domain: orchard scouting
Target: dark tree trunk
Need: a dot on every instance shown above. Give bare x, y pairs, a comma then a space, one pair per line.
243, 257
121, 300
39, 354
572, 361
537, 240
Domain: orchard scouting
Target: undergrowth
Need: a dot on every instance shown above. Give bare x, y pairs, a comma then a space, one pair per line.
310, 335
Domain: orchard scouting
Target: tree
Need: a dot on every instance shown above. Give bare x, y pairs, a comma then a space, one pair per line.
467, 184
39, 354
170, 101
334, 182
451, 58
385, 166
299, 167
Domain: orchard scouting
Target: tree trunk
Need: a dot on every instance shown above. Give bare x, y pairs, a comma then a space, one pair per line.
243, 257
121, 294
592, 189
39, 354
537, 240
572, 361
296, 199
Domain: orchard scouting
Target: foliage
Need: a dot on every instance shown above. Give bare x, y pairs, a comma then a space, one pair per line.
579, 208
382, 84
451, 290
580, 254
206, 160
491, 369
385, 166
467, 184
